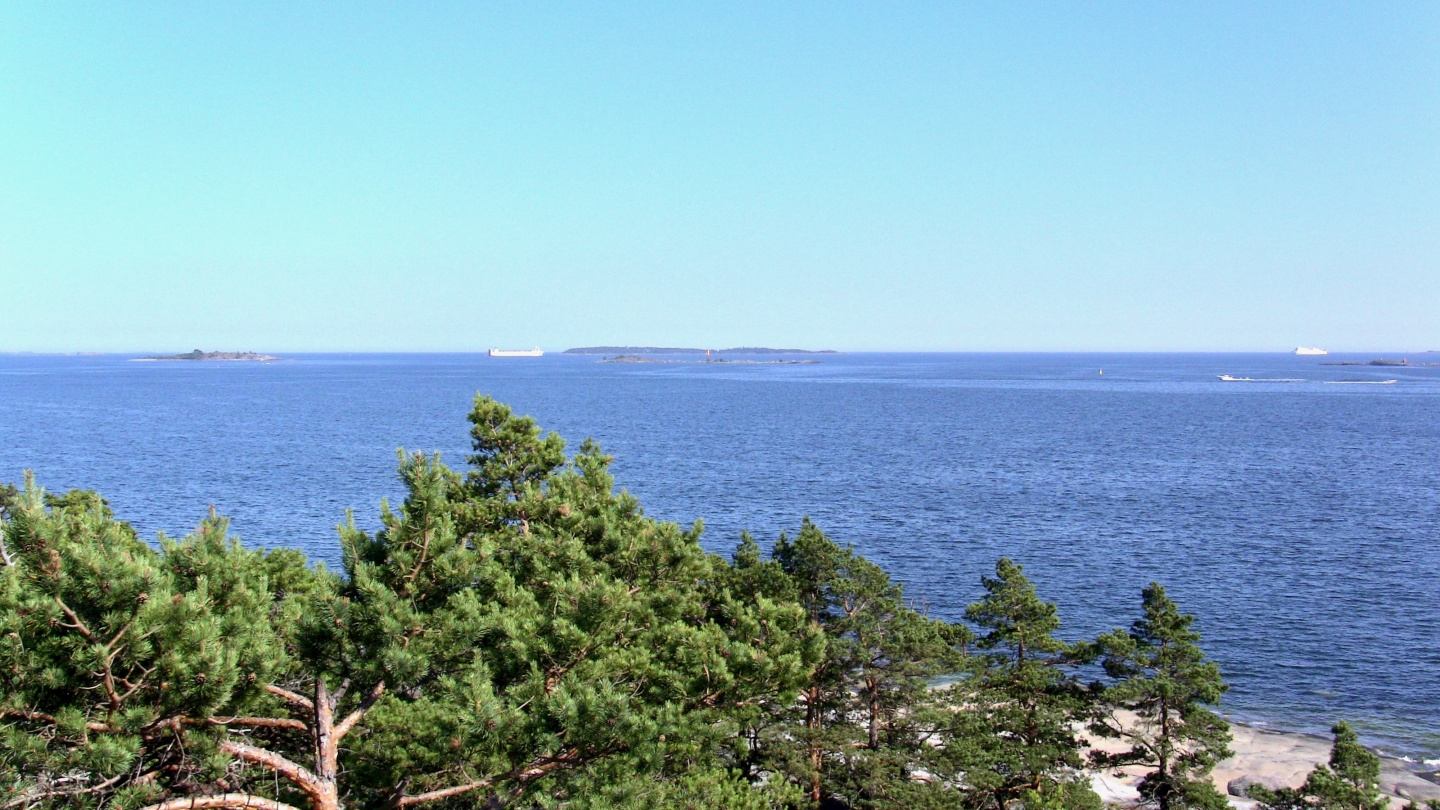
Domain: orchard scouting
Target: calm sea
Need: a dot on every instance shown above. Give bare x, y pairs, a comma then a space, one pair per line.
1299, 520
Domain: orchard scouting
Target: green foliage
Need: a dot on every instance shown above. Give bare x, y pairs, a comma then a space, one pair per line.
700, 789
9, 499
516, 634
859, 732
113, 656
511, 464
1163, 680
571, 632
1014, 742
522, 635
1351, 781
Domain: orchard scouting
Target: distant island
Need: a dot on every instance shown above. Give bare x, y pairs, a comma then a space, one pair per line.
1380, 362
635, 358
199, 355
638, 350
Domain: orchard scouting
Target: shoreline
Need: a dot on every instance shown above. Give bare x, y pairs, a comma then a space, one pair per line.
1277, 758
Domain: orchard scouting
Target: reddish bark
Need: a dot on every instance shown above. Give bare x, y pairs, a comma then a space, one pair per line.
235, 801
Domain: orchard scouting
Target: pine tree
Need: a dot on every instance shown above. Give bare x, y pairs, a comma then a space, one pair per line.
522, 634
1351, 781
547, 638
1010, 739
121, 668
1162, 677
9, 499
862, 728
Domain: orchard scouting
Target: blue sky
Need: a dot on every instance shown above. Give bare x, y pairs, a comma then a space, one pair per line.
942, 176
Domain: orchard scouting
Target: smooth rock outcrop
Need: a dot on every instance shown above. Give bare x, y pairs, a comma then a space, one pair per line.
1241, 787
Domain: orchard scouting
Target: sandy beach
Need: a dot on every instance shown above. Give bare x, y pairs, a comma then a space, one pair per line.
1274, 759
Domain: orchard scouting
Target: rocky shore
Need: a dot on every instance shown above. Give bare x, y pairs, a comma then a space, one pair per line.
1274, 759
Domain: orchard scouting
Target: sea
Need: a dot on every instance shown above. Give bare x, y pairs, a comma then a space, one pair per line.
1295, 512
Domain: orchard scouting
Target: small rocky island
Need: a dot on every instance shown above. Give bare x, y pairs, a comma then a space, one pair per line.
199, 355
1379, 362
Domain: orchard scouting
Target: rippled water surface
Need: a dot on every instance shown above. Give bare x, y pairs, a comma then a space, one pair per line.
1300, 521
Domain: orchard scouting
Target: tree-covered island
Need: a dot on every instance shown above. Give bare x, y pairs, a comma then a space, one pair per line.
642, 350
520, 635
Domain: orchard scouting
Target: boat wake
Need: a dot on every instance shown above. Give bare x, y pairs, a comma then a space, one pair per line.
1229, 378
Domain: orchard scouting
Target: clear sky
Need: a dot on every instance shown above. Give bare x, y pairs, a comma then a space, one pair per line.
887, 176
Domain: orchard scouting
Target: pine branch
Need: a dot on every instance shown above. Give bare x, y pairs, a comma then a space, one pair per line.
174, 723
111, 643
525, 776
290, 697
298, 775
257, 722
235, 801
24, 800
445, 793
78, 624
109, 675
45, 718
420, 563
354, 717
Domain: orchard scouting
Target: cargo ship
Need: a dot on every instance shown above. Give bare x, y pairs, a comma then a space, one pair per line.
535, 352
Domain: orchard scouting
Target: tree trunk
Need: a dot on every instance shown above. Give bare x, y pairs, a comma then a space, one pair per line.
874, 688
320, 785
1164, 749
327, 749
817, 760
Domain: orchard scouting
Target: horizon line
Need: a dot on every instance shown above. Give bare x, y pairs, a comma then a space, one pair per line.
1291, 351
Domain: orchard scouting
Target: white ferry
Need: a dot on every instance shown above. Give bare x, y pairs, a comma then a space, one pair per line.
535, 352
1310, 350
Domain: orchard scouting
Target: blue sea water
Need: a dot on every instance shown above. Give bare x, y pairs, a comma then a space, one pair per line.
1299, 521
